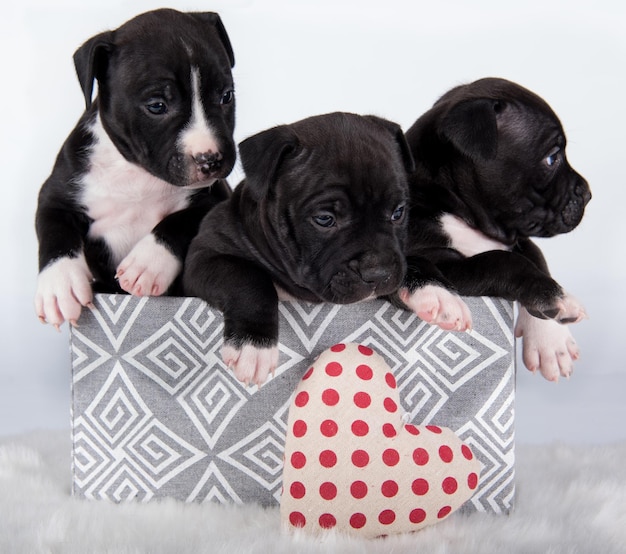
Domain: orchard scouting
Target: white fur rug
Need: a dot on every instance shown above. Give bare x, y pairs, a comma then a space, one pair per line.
569, 500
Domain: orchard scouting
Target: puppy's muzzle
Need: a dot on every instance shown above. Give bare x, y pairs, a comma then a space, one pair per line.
377, 271
371, 273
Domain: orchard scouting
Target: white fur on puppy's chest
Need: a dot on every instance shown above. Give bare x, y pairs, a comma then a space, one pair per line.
124, 201
467, 240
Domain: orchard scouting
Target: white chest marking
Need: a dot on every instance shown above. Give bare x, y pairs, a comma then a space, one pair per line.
467, 240
124, 201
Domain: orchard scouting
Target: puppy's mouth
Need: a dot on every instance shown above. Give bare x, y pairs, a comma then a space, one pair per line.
569, 214
558, 215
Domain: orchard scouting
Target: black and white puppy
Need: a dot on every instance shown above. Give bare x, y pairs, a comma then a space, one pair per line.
491, 172
319, 217
142, 166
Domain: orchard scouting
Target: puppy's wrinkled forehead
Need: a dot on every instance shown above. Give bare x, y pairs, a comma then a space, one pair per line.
529, 124
355, 154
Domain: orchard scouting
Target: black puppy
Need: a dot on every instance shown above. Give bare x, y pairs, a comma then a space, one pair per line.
491, 172
320, 217
144, 163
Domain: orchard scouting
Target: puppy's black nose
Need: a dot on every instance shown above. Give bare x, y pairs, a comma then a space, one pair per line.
370, 270
208, 162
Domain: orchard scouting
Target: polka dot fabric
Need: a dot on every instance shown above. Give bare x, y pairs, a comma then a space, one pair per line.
352, 465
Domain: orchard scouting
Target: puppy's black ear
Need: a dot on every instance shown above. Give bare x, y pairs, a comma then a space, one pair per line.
214, 19
400, 138
90, 61
472, 128
262, 155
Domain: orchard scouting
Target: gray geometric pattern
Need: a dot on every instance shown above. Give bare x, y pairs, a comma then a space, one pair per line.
157, 414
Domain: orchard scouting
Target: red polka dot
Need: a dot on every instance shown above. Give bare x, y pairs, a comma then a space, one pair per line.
412, 429
299, 428
330, 397
360, 458
449, 485
307, 374
362, 400
472, 481
338, 347
328, 490
391, 380
389, 488
328, 458
387, 517
389, 430
302, 399
445, 453
364, 372
358, 489
360, 428
328, 428
434, 429
444, 512
357, 521
420, 456
391, 457
417, 516
390, 405
297, 519
365, 350
298, 460
467, 452
327, 521
297, 489
420, 487
333, 369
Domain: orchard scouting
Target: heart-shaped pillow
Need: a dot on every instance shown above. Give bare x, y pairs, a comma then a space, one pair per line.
353, 465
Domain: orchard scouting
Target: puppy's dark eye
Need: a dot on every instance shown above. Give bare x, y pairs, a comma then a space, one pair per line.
324, 220
397, 214
227, 97
553, 157
157, 107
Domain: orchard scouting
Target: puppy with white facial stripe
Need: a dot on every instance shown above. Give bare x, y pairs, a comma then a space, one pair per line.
491, 173
144, 164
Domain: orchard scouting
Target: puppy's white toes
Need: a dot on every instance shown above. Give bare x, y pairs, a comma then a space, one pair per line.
62, 289
548, 347
251, 364
438, 306
149, 269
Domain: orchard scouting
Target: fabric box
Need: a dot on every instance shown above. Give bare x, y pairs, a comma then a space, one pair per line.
155, 413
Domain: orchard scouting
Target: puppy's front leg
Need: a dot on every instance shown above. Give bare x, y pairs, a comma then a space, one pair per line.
512, 276
64, 281
155, 262
246, 296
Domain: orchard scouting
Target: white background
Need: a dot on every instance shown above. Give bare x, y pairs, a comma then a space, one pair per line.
296, 59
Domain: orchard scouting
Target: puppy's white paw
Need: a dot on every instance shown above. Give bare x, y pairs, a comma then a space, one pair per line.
63, 288
149, 269
439, 306
251, 364
548, 346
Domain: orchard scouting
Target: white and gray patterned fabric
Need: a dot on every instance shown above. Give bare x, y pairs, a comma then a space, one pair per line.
155, 413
